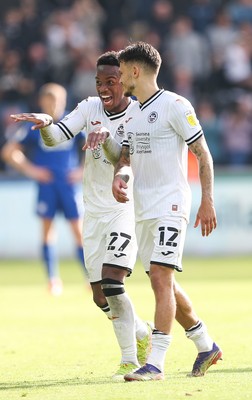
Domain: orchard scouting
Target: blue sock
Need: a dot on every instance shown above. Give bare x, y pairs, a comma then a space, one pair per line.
80, 256
51, 260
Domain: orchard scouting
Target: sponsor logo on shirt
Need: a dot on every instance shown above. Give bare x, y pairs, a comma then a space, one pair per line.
139, 142
95, 122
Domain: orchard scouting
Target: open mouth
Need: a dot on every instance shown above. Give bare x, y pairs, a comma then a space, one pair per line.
107, 100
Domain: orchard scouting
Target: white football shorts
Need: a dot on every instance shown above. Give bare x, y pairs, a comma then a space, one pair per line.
109, 239
161, 241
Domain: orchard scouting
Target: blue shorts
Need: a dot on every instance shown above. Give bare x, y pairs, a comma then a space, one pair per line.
59, 196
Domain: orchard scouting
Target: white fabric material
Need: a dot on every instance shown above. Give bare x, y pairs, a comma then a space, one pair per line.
115, 230
201, 339
159, 154
160, 344
161, 240
141, 328
98, 171
124, 327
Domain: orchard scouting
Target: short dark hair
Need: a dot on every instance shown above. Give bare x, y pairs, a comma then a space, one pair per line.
141, 52
108, 58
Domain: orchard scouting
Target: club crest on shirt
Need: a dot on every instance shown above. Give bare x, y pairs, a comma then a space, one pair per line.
97, 152
120, 130
191, 118
153, 116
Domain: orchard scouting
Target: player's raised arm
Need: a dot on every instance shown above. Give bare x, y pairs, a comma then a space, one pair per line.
121, 176
206, 215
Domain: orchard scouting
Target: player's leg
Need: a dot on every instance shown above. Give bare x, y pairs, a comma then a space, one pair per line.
96, 232
118, 263
70, 201
122, 310
94, 240
50, 257
133, 334
76, 227
100, 300
195, 329
46, 210
159, 244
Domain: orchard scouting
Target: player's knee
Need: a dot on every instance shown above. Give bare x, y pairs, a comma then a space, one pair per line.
99, 300
98, 295
112, 287
161, 279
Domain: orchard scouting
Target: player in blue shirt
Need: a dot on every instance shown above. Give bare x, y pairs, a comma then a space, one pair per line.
58, 178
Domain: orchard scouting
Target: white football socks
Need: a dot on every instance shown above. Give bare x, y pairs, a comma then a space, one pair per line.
124, 326
141, 328
160, 344
200, 337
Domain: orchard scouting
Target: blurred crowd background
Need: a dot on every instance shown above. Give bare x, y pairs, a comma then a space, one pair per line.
206, 47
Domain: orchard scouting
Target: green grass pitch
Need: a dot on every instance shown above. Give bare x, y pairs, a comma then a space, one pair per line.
65, 349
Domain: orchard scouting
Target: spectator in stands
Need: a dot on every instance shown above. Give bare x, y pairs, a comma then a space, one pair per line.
237, 63
211, 127
186, 48
236, 131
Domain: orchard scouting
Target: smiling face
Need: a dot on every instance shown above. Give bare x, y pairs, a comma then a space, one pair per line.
109, 88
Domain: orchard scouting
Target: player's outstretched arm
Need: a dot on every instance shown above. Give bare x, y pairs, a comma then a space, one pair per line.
206, 215
39, 119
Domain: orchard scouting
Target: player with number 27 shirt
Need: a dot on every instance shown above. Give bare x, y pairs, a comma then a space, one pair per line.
109, 226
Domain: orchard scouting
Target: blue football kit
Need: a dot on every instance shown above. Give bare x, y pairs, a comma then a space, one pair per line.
59, 195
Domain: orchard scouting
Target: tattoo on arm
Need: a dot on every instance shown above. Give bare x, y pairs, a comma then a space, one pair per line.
124, 161
205, 161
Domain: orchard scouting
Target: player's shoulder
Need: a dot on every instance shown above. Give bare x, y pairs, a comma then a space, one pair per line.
176, 99
87, 107
90, 101
134, 104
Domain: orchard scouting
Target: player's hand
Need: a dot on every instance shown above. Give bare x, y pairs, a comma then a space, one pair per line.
119, 187
40, 120
206, 217
95, 138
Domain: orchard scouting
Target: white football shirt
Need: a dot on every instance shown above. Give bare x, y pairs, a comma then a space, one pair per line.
159, 132
98, 170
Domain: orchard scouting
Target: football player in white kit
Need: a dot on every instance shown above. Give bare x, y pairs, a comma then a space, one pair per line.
160, 128
109, 227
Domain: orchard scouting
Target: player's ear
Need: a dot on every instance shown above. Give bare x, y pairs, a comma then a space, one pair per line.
136, 71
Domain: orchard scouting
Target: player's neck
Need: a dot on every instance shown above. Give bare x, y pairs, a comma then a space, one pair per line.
121, 106
145, 90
